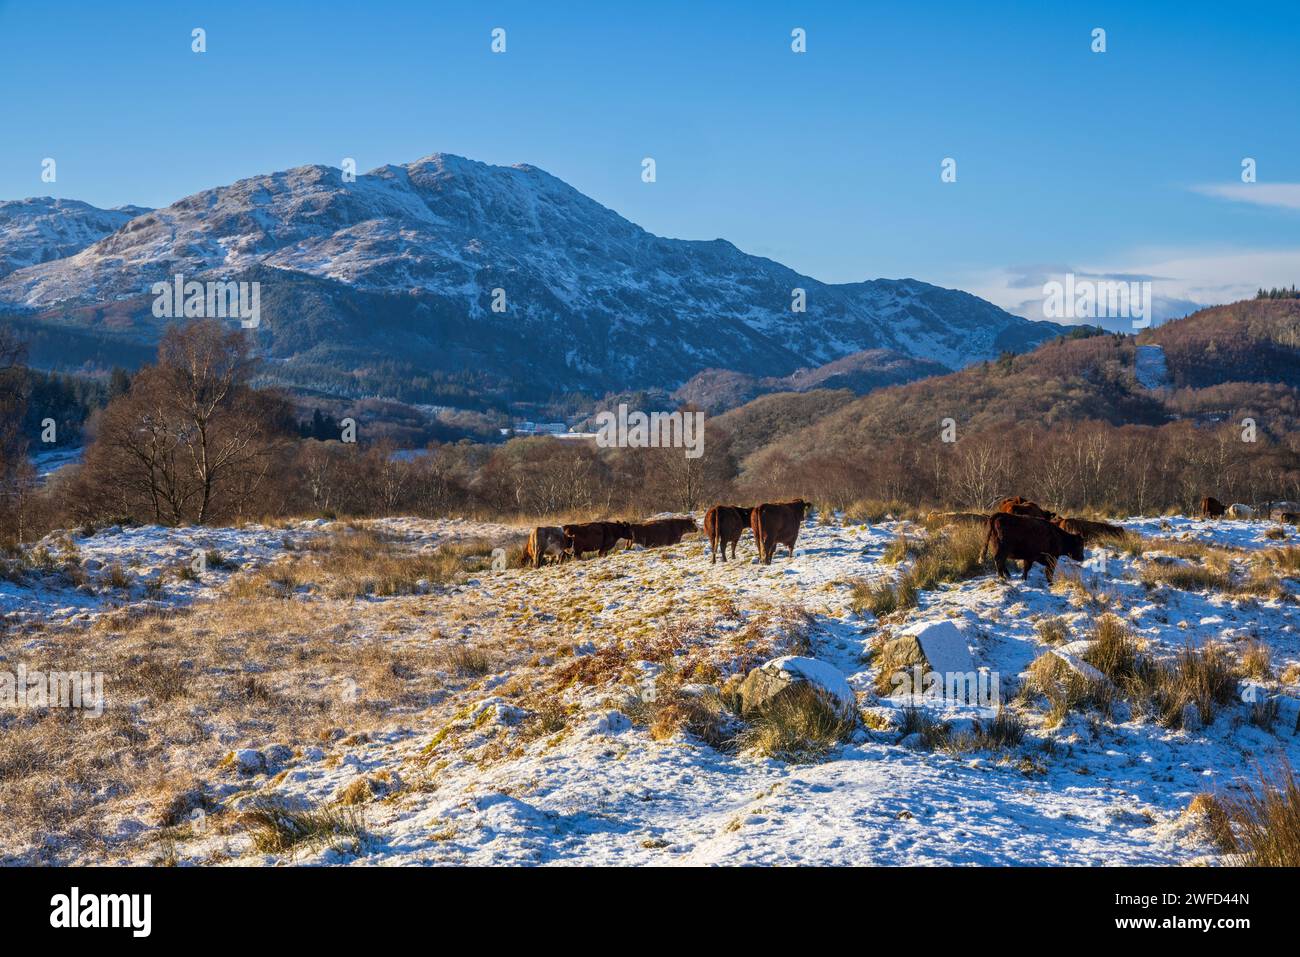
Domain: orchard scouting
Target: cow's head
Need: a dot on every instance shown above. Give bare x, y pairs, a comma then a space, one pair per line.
1073, 545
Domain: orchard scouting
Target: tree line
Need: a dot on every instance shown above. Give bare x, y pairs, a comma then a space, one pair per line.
190, 439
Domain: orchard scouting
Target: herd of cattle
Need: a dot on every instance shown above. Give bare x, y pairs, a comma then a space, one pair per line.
773, 524
1017, 529
1288, 512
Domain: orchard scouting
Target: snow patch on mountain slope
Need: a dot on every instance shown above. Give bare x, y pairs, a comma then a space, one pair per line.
43, 229
1150, 367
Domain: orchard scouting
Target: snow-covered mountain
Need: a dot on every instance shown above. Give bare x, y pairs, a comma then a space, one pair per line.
591, 298
42, 229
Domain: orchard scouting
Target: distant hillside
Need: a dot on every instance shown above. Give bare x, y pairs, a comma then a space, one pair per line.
1257, 340
1225, 363
717, 390
769, 418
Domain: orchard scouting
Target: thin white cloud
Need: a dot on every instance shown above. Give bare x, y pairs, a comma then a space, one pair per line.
1277, 195
1182, 280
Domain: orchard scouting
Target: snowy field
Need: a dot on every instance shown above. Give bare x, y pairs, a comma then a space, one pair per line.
509, 726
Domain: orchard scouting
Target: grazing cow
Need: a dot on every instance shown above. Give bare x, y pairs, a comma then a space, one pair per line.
1029, 540
661, 531
777, 523
542, 541
684, 526
1212, 508
1089, 531
725, 524
1022, 506
1240, 511
598, 537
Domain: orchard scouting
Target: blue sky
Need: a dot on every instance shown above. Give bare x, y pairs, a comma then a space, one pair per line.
1123, 162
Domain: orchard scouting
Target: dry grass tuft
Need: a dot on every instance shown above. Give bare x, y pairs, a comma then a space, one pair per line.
1064, 689
1267, 820
1186, 577
278, 830
798, 726
949, 555
1202, 677
873, 510
1256, 661
934, 734
878, 597
468, 661
1053, 631
1286, 559
1213, 819
1115, 652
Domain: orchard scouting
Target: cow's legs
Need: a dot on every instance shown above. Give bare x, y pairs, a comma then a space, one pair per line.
1000, 562
1049, 567
1028, 563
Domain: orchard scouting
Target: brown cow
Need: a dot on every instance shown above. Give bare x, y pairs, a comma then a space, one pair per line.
542, 541
1022, 506
1029, 540
1212, 508
777, 523
661, 531
598, 537
724, 524
1087, 530
684, 526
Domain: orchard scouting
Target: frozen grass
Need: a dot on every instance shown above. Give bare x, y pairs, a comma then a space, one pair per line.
1186, 577
1266, 820
182, 688
1115, 652
933, 733
1286, 559
278, 658
277, 830
1053, 631
1064, 690
949, 555
1256, 661
1205, 678
356, 562
799, 726
1202, 677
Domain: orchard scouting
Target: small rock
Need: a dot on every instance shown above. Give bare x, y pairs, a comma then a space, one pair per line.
277, 754
775, 678
248, 761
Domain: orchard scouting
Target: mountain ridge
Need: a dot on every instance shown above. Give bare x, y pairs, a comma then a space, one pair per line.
592, 300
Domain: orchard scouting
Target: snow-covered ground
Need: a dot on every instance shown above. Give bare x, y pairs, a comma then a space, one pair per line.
1151, 367
464, 780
